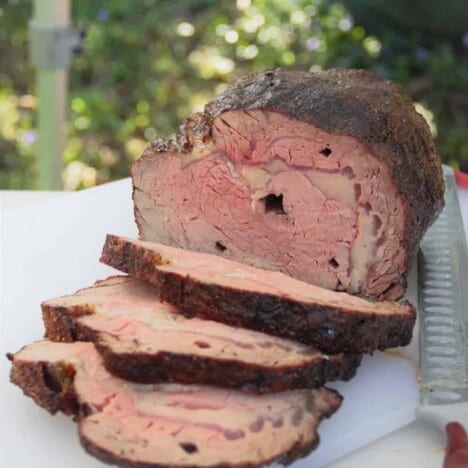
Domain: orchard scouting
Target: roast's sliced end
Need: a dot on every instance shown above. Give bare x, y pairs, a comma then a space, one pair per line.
333, 177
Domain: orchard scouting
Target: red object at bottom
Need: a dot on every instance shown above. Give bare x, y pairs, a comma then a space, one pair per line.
456, 451
462, 179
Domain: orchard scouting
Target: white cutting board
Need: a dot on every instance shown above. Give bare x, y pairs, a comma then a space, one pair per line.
52, 248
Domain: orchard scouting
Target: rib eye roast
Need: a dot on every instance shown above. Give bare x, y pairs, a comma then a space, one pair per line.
330, 177
137, 425
144, 340
214, 288
306, 187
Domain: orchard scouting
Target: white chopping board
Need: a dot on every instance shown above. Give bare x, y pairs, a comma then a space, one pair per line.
52, 248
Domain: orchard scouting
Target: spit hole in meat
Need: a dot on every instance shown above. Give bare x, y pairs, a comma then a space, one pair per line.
220, 246
326, 152
273, 204
333, 262
202, 344
188, 447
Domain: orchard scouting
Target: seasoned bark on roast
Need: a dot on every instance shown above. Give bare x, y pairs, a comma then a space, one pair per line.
144, 340
329, 177
222, 290
136, 425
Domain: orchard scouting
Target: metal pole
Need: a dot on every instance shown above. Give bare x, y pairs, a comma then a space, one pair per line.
50, 44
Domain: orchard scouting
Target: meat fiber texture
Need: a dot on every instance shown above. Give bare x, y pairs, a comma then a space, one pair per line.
213, 288
144, 340
136, 425
330, 177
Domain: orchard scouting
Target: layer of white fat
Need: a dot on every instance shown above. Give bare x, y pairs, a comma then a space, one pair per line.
263, 180
255, 154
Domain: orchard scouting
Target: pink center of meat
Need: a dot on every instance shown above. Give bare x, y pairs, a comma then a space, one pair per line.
279, 194
182, 425
153, 327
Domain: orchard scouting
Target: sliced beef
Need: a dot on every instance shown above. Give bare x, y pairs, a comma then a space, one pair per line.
144, 340
214, 288
330, 177
136, 425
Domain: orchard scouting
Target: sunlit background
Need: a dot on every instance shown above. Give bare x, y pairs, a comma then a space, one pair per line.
143, 66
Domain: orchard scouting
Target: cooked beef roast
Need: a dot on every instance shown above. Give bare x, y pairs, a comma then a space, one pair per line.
136, 425
330, 177
217, 289
144, 340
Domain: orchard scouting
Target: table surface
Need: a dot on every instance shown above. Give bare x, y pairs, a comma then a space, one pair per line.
419, 444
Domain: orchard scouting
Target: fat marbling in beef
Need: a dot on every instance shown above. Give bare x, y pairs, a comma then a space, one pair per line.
137, 425
330, 177
147, 341
222, 290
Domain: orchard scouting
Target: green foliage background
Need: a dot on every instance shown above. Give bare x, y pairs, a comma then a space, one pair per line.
148, 64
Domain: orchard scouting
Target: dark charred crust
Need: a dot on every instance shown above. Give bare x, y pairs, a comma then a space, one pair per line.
328, 328
62, 323
49, 385
355, 103
362, 105
34, 378
194, 131
190, 369
300, 449
62, 327
59, 322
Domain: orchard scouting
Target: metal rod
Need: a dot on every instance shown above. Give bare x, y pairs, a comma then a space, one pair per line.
51, 89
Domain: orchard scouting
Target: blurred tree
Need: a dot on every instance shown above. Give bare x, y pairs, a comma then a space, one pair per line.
147, 65
433, 19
